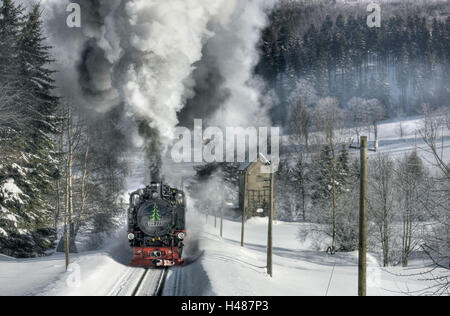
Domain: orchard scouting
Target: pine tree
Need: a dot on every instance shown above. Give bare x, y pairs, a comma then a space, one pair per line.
34, 58
34, 62
31, 164
11, 20
331, 177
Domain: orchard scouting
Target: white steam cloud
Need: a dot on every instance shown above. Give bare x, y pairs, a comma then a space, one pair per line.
142, 54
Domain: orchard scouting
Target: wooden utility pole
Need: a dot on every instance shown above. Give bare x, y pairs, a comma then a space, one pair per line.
362, 265
221, 214
222, 202
243, 212
270, 230
221, 222
243, 228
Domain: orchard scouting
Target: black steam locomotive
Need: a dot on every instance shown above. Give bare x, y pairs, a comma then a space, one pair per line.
157, 226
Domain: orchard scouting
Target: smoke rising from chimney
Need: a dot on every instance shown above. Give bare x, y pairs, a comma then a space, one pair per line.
154, 57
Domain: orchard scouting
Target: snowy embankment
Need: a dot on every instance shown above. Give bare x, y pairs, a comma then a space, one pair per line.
225, 268
214, 266
91, 273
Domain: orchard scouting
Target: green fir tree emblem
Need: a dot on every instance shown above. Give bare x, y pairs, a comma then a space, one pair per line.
156, 217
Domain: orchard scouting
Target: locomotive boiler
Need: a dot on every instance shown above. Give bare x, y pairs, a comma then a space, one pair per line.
157, 226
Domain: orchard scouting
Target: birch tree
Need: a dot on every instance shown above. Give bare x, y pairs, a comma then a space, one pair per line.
301, 126
382, 200
414, 196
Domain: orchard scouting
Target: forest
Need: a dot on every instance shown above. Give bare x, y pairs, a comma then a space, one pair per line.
56, 169
403, 64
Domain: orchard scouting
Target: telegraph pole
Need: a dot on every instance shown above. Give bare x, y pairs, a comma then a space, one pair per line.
221, 222
222, 204
362, 262
362, 265
243, 212
270, 230
243, 228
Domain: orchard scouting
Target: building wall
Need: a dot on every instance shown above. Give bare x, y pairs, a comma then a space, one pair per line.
254, 190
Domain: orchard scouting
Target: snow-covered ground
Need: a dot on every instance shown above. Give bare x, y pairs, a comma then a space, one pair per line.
92, 273
214, 266
391, 141
225, 268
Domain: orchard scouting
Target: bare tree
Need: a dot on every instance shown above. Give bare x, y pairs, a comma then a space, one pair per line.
84, 192
357, 115
432, 135
381, 200
411, 179
437, 243
365, 115
58, 184
301, 125
376, 113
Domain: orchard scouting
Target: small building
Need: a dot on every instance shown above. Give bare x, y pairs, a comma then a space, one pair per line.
254, 188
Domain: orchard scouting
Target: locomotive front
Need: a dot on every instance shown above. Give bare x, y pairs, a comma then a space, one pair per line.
156, 226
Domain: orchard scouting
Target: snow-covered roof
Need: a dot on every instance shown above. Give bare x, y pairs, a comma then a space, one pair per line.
244, 166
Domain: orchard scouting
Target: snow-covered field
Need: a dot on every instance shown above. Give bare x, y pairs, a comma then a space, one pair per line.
214, 267
225, 268
392, 143
397, 138
92, 273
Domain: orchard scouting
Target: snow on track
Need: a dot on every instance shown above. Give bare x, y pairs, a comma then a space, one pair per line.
128, 282
151, 283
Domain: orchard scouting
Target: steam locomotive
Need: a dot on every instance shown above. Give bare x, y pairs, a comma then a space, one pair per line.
157, 226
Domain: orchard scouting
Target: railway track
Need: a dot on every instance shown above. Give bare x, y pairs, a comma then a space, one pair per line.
151, 283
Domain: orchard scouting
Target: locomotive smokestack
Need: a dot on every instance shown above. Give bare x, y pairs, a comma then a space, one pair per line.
153, 150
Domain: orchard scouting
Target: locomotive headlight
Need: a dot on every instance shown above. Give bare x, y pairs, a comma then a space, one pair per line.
130, 236
181, 236
180, 198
